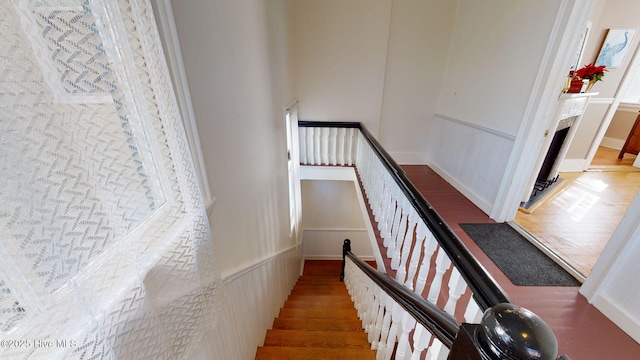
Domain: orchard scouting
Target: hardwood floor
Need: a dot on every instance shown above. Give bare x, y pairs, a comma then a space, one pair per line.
582, 331
577, 218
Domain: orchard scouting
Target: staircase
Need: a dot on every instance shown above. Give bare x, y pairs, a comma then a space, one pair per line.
318, 320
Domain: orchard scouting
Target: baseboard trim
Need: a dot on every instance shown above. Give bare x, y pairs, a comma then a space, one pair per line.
481, 203
612, 143
619, 317
572, 165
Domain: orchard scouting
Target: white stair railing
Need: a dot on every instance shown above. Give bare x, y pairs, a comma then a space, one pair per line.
411, 247
429, 261
388, 325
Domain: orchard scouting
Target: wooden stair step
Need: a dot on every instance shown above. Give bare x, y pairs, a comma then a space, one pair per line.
344, 304
319, 280
317, 324
318, 313
294, 353
315, 290
320, 298
317, 339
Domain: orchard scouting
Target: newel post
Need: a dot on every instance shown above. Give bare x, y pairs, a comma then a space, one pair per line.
346, 247
506, 332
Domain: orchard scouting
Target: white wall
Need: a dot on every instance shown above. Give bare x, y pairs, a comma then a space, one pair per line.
494, 59
237, 64
340, 52
236, 55
416, 56
496, 51
331, 213
620, 127
378, 62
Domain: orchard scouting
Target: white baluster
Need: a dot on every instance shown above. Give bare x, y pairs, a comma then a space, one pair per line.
324, 145
333, 136
473, 313
430, 246
384, 330
376, 197
374, 332
407, 244
386, 208
442, 264
384, 198
437, 351
302, 135
421, 338
317, 146
350, 143
310, 146
371, 304
408, 323
340, 145
399, 235
457, 287
396, 319
395, 228
395, 258
421, 233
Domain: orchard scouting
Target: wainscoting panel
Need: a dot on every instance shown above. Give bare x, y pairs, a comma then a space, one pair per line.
470, 157
252, 300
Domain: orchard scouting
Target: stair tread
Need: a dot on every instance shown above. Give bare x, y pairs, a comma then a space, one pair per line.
317, 339
324, 281
293, 353
315, 291
335, 313
317, 324
298, 304
319, 298
317, 321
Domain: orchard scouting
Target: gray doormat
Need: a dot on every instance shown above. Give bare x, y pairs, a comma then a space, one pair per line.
518, 259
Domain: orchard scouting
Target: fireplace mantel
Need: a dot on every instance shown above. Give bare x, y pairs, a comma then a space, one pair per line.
567, 115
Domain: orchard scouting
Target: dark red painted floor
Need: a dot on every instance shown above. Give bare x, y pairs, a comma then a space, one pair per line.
583, 332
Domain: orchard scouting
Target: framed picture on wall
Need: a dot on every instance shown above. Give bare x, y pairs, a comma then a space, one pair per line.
615, 47
582, 42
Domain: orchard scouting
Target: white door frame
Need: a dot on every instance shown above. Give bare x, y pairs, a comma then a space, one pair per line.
573, 16
615, 103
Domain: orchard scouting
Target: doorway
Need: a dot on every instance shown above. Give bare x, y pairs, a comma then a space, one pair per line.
577, 218
602, 182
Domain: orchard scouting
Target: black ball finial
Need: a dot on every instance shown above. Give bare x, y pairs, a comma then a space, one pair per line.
512, 332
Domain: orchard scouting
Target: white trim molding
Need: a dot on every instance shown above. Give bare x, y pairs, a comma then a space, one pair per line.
484, 129
569, 26
611, 285
173, 53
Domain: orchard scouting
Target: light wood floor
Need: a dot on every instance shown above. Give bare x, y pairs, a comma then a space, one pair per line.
577, 218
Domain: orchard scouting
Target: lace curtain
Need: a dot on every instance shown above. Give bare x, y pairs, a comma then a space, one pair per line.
104, 242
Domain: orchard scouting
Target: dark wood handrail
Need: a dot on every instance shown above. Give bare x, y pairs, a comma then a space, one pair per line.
486, 290
438, 322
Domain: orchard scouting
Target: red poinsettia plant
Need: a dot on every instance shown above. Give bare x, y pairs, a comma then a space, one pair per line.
591, 72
